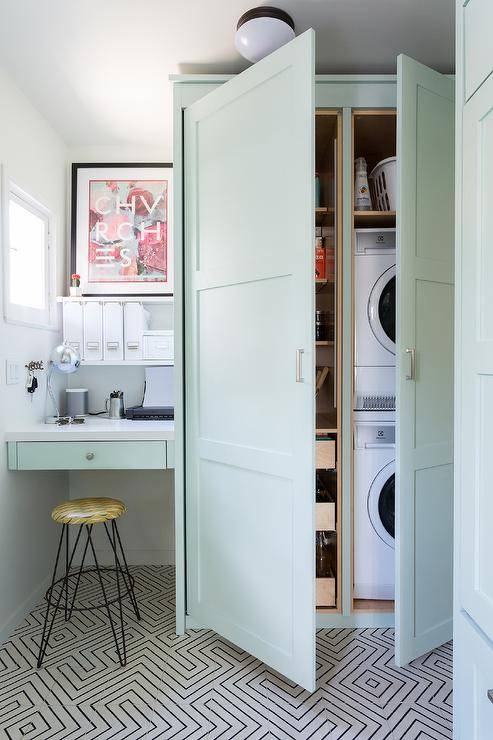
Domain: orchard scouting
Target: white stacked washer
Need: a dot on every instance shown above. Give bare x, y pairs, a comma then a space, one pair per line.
374, 413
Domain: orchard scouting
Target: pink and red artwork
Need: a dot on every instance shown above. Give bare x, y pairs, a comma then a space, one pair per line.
128, 231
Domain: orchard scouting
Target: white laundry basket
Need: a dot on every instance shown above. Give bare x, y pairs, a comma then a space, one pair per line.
384, 184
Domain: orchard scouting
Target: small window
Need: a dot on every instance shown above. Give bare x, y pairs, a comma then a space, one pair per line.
27, 260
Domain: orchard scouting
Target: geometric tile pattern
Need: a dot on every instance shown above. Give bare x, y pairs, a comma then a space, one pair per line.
199, 686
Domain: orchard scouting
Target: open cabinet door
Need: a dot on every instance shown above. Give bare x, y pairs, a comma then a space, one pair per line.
249, 307
424, 359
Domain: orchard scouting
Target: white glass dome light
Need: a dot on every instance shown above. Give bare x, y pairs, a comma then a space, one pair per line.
263, 30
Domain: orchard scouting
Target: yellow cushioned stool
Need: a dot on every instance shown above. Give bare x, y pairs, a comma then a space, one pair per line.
85, 513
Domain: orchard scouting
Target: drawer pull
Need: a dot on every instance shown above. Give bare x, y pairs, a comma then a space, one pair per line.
90, 456
132, 345
490, 695
92, 345
112, 345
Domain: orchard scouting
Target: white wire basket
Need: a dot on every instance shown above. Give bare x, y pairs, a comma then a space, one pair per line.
383, 179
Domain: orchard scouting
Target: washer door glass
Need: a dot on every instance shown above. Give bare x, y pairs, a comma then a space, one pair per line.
381, 309
381, 504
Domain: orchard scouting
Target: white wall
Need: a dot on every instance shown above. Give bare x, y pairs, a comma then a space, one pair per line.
147, 528
34, 157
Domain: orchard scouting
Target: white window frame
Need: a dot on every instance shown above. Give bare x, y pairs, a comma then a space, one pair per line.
15, 313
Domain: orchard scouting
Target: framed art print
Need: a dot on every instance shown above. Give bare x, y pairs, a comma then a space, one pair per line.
121, 228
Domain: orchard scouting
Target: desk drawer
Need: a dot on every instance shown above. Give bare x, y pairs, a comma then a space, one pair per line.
142, 455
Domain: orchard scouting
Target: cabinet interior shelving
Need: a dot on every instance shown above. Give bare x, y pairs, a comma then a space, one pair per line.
328, 293
374, 133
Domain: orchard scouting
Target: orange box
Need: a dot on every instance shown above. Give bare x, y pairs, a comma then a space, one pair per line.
320, 263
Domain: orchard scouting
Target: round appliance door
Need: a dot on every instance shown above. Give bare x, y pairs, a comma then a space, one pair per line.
381, 504
381, 309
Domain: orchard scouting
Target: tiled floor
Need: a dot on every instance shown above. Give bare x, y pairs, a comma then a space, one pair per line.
200, 686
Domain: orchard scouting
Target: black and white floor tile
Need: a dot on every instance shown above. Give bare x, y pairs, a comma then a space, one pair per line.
201, 687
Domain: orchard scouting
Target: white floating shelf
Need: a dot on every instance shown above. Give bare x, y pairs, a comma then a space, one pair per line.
125, 363
116, 299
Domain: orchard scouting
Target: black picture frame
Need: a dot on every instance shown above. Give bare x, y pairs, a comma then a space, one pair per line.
75, 168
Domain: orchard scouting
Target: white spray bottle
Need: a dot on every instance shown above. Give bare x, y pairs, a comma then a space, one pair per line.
362, 199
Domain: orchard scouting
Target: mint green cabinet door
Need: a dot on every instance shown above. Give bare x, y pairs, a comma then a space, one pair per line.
475, 362
425, 359
249, 305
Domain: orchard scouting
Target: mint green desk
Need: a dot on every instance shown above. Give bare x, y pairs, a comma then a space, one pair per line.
98, 444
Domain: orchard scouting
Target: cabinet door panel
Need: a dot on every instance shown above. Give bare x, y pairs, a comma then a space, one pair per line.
249, 302
425, 307
476, 361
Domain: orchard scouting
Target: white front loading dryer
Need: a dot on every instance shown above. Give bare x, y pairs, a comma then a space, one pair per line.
374, 297
374, 509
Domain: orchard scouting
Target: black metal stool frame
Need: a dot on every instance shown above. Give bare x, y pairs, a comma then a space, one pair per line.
119, 569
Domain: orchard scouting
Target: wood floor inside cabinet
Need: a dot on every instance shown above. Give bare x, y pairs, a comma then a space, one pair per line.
374, 138
328, 349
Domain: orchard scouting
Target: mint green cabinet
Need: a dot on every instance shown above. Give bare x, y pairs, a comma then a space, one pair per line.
229, 474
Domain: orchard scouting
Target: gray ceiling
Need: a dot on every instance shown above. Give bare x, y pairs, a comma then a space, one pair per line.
99, 70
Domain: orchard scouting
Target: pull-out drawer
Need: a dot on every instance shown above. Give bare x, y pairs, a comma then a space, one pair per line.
126, 455
326, 454
325, 592
325, 517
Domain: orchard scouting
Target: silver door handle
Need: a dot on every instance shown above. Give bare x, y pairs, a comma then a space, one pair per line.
299, 361
412, 375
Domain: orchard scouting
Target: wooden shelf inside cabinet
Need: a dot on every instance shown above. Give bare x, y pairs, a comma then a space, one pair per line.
324, 344
374, 219
373, 605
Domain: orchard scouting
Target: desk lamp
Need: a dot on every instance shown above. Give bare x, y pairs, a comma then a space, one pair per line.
64, 360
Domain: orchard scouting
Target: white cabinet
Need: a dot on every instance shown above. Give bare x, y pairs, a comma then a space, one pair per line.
134, 324
112, 331
473, 690
93, 331
478, 48
73, 325
473, 636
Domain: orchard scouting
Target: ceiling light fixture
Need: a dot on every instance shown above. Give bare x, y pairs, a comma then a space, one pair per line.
263, 30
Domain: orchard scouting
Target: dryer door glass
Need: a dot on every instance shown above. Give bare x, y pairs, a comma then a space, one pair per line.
381, 504
386, 505
381, 309
386, 309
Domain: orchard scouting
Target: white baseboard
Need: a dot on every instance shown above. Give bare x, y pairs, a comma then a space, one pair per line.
18, 616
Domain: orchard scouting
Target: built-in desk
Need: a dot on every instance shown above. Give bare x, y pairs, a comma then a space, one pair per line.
99, 444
